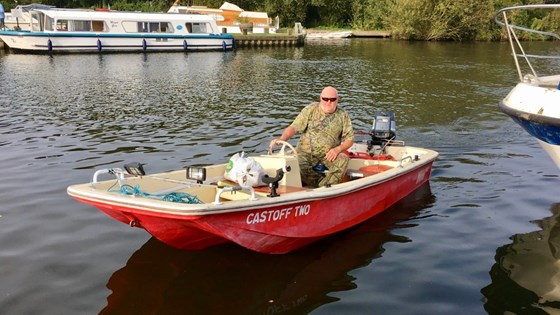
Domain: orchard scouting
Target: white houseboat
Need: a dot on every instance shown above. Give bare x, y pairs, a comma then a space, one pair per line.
232, 18
19, 17
78, 30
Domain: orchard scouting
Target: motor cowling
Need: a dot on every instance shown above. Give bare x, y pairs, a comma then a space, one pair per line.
383, 128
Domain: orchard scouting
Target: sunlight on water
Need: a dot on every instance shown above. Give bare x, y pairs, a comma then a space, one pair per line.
63, 116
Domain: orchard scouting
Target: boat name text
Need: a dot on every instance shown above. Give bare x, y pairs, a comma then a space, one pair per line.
279, 214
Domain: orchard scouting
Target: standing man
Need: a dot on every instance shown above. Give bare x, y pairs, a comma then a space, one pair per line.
326, 132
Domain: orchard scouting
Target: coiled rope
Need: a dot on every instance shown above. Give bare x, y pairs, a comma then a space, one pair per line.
171, 197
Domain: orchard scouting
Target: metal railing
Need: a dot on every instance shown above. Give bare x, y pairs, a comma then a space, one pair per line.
501, 18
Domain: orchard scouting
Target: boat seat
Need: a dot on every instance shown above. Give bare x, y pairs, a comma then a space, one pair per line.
291, 182
280, 190
260, 190
271, 163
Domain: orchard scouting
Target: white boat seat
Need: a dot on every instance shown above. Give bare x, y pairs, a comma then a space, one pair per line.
271, 163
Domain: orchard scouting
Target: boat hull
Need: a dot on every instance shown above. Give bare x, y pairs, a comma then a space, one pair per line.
103, 42
276, 228
535, 108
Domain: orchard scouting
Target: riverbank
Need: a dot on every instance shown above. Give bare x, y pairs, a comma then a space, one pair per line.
268, 40
318, 33
281, 39
377, 34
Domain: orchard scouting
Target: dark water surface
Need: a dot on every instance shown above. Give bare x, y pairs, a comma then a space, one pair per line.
481, 238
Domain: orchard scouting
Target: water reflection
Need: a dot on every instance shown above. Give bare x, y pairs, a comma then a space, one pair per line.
228, 279
63, 116
526, 276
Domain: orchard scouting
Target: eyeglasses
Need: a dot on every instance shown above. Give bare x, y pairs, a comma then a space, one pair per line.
327, 99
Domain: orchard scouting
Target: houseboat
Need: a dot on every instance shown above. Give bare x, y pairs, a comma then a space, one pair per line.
233, 19
79, 30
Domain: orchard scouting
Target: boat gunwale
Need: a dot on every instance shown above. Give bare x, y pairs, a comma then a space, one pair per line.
138, 204
537, 118
506, 107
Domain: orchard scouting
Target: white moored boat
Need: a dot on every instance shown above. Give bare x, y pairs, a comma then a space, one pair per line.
232, 18
77, 30
534, 103
328, 35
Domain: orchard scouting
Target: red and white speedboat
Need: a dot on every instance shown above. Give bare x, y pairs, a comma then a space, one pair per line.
194, 208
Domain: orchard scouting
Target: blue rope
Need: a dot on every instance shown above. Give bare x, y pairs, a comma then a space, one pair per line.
181, 197
171, 197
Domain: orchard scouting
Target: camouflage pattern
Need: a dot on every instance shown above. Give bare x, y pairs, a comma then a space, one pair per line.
321, 132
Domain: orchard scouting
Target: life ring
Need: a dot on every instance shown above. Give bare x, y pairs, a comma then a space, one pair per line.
374, 169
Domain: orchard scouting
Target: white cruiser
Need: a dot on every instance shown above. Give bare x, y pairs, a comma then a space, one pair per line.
78, 30
534, 102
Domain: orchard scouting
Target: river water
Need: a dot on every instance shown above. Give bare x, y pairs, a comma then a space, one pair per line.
481, 238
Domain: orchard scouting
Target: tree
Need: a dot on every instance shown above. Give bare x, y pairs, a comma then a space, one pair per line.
440, 19
330, 13
406, 19
368, 14
289, 11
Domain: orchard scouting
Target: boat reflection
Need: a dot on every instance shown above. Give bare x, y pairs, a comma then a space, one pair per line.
228, 279
526, 275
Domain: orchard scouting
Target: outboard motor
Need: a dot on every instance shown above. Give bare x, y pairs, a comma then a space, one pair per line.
383, 128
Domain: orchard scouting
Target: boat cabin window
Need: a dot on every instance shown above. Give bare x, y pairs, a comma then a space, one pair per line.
199, 28
147, 27
49, 23
97, 26
36, 21
62, 25
80, 25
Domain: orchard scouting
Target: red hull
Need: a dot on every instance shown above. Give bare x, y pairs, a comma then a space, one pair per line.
277, 229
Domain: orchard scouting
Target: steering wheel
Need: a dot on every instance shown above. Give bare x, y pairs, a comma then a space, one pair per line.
283, 149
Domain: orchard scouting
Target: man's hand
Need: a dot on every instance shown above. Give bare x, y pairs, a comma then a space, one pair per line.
333, 153
273, 143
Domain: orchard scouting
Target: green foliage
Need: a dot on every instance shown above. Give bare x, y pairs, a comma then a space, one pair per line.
460, 19
409, 19
334, 13
369, 14
439, 19
289, 11
405, 19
